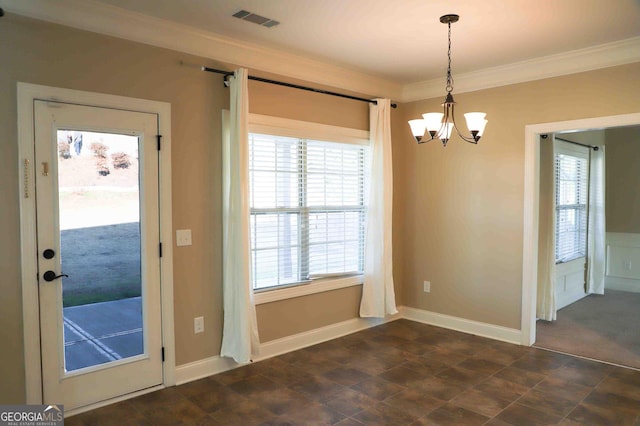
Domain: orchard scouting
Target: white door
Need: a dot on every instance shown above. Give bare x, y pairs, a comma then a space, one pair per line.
98, 252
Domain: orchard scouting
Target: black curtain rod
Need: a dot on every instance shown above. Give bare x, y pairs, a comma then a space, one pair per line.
295, 86
595, 148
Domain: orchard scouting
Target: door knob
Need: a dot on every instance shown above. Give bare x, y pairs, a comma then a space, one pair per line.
50, 276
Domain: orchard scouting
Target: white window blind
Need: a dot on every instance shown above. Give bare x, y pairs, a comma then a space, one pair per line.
572, 183
307, 209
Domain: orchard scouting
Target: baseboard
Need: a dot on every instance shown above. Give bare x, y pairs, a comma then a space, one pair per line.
203, 368
217, 364
496, 332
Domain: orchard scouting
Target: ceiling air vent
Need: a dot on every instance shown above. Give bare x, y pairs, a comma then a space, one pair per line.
256, 19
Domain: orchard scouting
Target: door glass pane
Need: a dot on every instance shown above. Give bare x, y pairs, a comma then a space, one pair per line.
99, 216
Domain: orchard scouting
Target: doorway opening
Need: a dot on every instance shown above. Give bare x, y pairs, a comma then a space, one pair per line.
582, 315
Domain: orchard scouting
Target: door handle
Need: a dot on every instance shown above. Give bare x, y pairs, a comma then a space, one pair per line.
50, 276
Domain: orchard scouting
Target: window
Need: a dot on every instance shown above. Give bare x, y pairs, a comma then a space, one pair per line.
572, 182
307, 204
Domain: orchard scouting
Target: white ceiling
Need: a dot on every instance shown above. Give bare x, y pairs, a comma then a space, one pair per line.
402, 40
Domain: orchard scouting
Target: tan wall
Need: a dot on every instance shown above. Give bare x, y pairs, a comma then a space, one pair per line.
459, 218
41, 53
623, 180
291, 316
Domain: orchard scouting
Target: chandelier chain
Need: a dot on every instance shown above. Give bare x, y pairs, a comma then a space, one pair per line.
449, 76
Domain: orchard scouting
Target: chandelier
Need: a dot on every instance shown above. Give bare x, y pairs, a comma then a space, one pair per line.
441, 124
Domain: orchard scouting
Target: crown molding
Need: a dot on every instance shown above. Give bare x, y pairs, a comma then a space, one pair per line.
587, 59
105, 19
113, 21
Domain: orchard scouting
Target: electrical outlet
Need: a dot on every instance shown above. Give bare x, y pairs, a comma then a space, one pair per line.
198, 325
427, 286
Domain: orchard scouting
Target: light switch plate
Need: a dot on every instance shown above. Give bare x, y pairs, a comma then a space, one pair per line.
183, 237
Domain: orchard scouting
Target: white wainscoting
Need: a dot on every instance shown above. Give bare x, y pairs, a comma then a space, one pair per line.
623, 262
216, 364
570, 282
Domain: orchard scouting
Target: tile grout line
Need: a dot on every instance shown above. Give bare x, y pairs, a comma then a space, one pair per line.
593, 389
518, 398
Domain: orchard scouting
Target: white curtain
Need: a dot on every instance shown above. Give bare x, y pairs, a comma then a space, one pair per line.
596, 244
378, 297
240, 332
546, 299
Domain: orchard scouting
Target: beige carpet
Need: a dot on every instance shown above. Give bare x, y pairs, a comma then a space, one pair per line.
605, 328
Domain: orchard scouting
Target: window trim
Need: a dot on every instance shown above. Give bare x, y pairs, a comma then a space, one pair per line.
279, 126
312, 287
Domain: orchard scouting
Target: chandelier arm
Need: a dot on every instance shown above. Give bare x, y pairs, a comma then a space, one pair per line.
443, 123
455, 126
442, 132
466, 139
445, 115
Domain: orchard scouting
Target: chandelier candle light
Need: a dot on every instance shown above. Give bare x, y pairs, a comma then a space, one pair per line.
441, 124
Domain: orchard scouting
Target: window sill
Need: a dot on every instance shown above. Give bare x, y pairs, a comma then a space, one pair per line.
319, 286
562, 262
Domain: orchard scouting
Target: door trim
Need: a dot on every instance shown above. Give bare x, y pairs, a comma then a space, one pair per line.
27, 94
532, 134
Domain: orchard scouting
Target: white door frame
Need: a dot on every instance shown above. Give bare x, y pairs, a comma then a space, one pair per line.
531, 205
27, 93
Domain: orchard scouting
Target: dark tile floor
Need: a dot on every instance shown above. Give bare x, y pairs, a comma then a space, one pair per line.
399, 373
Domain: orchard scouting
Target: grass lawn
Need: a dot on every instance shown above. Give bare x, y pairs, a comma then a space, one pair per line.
103, 263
